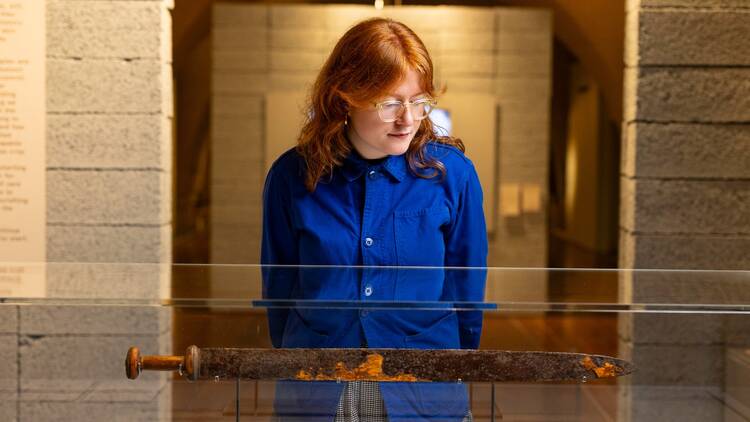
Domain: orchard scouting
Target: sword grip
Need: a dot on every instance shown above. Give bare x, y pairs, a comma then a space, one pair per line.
188, 365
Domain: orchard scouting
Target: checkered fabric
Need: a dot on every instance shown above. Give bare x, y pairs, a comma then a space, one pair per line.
361, 401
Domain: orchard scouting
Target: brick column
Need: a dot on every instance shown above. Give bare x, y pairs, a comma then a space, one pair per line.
685, 195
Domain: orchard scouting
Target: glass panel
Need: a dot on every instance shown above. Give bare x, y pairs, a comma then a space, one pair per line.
62, 350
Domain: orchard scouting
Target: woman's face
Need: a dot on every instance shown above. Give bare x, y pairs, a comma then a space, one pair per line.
373, 138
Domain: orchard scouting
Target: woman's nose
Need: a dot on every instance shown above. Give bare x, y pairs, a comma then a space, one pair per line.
405, 119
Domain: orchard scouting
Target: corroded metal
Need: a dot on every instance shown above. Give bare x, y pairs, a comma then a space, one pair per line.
405, 365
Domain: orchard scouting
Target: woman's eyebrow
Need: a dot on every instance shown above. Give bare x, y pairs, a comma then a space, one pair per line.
392, 96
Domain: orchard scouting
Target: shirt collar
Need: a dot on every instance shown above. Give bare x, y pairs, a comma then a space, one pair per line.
355, 166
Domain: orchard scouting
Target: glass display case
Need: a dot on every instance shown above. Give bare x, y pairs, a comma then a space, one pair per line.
65, 330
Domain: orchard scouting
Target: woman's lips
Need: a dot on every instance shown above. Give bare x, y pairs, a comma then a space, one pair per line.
399, 135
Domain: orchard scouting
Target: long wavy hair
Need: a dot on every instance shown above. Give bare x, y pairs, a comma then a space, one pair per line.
370, 59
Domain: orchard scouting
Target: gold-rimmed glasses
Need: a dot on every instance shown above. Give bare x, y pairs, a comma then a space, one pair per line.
391, 110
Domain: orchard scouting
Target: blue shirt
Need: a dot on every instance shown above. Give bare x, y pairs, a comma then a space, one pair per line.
375, 215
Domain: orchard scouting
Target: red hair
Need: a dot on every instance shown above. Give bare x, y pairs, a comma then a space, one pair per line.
370, 59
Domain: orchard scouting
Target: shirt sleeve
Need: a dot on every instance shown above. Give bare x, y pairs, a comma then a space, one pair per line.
466, 246
279, 247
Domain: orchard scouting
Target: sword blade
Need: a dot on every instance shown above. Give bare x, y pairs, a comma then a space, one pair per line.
406, 365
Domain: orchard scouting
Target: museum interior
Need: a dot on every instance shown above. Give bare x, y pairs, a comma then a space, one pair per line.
610, 138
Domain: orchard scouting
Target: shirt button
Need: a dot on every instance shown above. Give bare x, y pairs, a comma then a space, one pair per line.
363, 314
368, 290
369, 241
372, 174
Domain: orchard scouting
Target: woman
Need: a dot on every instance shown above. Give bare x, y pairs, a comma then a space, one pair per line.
370, 184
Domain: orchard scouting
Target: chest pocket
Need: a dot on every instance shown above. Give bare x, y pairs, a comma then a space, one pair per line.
419, 236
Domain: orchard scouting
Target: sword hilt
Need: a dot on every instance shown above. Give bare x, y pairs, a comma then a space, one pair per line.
188, 365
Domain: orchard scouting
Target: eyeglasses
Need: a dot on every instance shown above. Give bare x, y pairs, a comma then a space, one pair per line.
391, 110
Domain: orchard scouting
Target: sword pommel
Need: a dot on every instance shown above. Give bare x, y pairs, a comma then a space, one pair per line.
188, 365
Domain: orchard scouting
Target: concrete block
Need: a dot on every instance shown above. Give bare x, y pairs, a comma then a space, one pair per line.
522, 19
517, 155
81, 243
686, 288
320, 40
108, 197
737, 330
679, 206
536, 65
48, 411
632, 36
689, 37
737, 387
237, 106
231, 15
675, 365
8, 365
472, 65
524, 42
167, 91
522, 246
240, 61
687, 410
8, 319
248, 154
533, 402
109, 141
514, 89
237, 195
235, 244
97, 29
685, 251
224, 83
299, 16
674, 94
110, 86
695, 3
242, 147
647, 402
240, 40
290, 61
287, 81
87, 359
95, 320
8, 409
462, 42
468, 84
466, 19
238, 214
339, 18
678, 150
424, 19
525, 131
121, 281
225, 127
672, 328
231, 171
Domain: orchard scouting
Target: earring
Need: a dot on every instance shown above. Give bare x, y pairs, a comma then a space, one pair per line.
346, 120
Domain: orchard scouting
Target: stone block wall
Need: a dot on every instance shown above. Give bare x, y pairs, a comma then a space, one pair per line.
257, 49
109, 138
109, 149
685, 192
